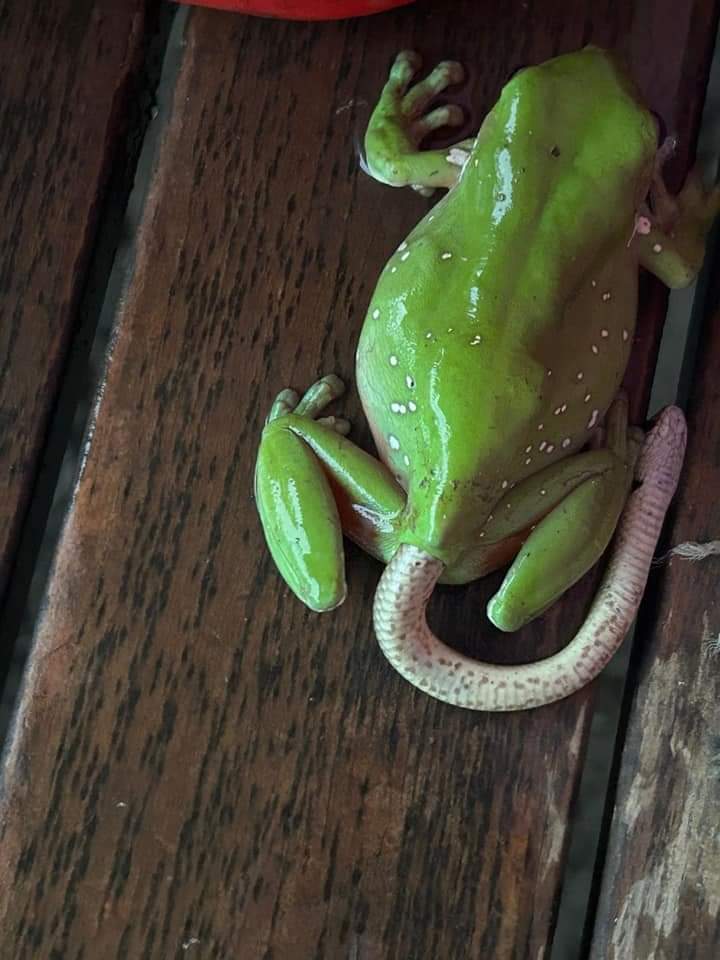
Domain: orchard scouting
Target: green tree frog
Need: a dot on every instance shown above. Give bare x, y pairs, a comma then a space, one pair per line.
489, 367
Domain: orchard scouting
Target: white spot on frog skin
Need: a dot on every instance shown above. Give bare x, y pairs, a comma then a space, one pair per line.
580, 375
395, 407
482, 532
593, 283
393, 360
450, 329
543, 492
445, 256
393, 269
557, 411
403, 408
594, 349
403, 246
405, 255
431, 218
625, 334
587, 397
541, 426
606, 296
476, 340
528, 461
412, 407
593, 419
406, 460
604, 332
566, 442
542, 446
550, 447
428, 335
504, 484
528, 449
657, 248
410, 382
563, 408
376, 313
394, 442
549, 373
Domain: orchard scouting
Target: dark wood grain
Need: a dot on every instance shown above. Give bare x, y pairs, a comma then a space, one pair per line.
199, 763
661, 884
65, 67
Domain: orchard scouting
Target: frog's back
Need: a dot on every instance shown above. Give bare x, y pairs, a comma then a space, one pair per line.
566, 154
469, 310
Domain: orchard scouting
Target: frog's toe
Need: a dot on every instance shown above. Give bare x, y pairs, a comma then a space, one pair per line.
284, 403
338, 424
444, 75
422, 190
448, 116
313, 401
405, 66
319, 395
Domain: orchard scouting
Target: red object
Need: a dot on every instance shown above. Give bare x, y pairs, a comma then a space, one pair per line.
302, 9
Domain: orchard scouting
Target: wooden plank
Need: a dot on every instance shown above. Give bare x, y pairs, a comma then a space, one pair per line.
199, 763
65, 69
661, 883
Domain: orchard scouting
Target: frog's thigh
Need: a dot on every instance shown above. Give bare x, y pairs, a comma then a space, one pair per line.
563, 547
310, 483
534, 498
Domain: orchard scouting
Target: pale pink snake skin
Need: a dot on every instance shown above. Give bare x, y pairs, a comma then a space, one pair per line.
409, 579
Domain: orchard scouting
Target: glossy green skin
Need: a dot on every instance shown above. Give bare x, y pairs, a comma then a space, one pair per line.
505, 320
493, 346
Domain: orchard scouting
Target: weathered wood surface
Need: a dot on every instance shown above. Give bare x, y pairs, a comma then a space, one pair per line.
65, 66
199, 763
661, 883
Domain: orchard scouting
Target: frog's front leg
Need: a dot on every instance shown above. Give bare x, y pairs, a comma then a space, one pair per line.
311, 484
674, 247
398, 126
409, 579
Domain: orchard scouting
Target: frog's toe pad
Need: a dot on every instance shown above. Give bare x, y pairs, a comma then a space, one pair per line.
320, 395
338, 424
405, 66
284, 403
313, 401
448, 116
444, 75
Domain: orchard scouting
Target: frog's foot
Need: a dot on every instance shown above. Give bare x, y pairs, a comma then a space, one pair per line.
320, 395
409, 579
671, 242
311, 485
399, 124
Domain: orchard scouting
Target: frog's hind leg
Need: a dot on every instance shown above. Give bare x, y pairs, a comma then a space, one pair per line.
408, 581
399, 124
586, 495
311, 484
